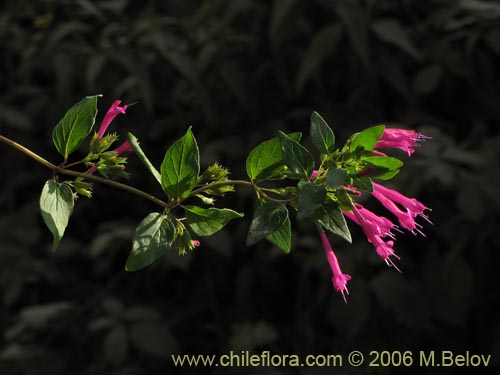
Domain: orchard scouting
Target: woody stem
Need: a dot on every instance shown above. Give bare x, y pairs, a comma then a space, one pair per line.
88, 176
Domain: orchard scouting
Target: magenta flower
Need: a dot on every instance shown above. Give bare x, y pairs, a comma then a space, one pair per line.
195, 243
314, 174
91, 170
376, 228
339, 279
411, 207
113, 111
400, 138
124, 147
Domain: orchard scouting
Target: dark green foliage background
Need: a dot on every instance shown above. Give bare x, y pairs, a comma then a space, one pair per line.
239, 71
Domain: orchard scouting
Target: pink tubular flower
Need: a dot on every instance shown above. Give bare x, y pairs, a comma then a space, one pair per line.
375, 228
124, 147
412, 208
195, 243
314, 174
400, 138
113, 111
339, 279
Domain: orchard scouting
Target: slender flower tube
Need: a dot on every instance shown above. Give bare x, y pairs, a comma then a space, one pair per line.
339, 279
314, 174
403, 139
113, 111
124, 147
91, 170
412, 208
375, 228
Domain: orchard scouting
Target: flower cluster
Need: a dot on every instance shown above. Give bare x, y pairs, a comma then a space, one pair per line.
402, 139
380, 230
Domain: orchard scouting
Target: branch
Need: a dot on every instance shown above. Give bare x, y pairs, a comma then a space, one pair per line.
87, 176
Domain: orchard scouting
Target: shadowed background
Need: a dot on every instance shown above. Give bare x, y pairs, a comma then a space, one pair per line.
239, 71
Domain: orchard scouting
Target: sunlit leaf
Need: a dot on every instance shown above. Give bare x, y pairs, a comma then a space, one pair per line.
282, 238
75, 126
207, 221
296, 157
311, 197
266, 159
180, 167
267, 219
56, 206
152, 238
142, 157
321, 134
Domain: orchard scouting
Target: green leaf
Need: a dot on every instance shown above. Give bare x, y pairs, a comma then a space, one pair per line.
207, 221
383, 167
387, 175
267, 219
383, 162
311, 197
331, 219
266, 159
142, 156
366, 139
282, 238
321, 134
180, 167
296, 157
152, 238
363, 184
75, 126
336, 177
56, 206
